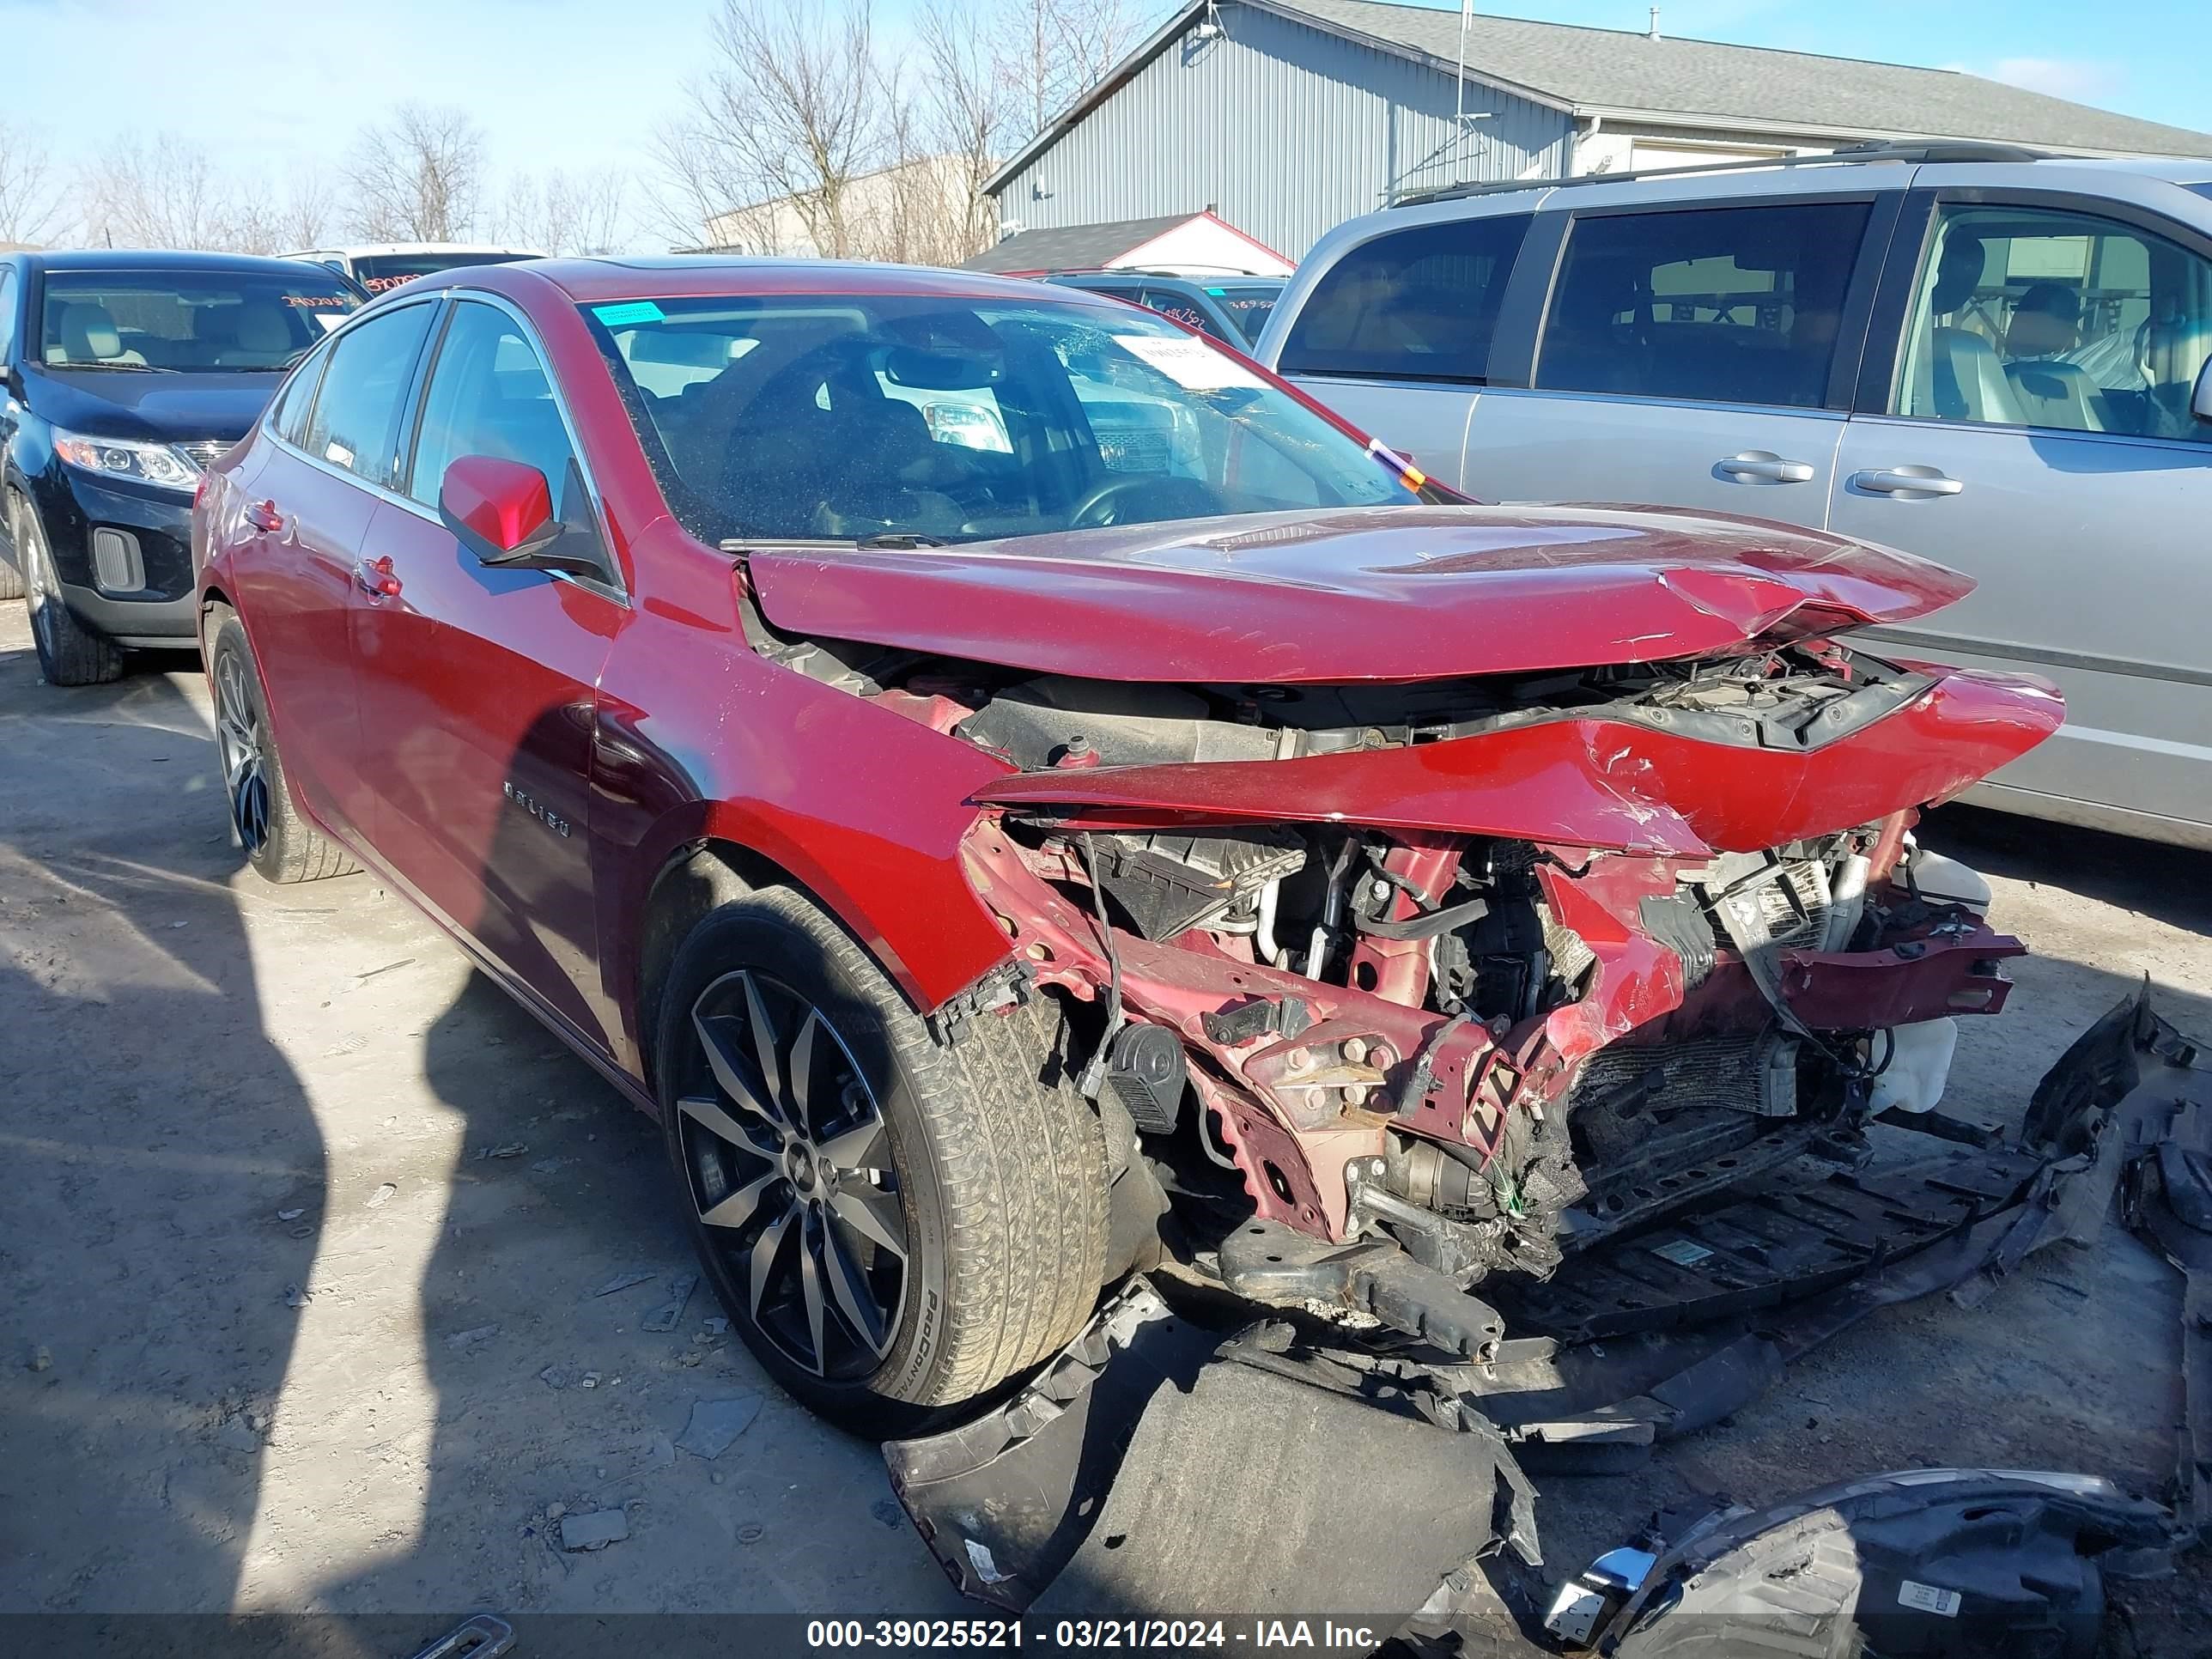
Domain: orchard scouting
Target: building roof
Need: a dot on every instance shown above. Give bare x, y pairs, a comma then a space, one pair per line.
1074, 247
1703, 83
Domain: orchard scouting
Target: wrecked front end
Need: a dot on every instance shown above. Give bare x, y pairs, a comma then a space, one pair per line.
1495, 968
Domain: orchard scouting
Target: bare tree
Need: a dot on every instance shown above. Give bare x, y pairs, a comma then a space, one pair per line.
418, 176
158, 193
972, 112
776, 131
565, 213
33, 192
1056, 51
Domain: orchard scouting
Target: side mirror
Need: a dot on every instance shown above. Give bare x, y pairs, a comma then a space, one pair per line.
501, 511
2200, 399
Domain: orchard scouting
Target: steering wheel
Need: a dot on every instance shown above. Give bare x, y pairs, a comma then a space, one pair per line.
1090, 514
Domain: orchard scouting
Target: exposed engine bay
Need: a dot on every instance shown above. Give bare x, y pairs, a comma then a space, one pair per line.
1494, 1050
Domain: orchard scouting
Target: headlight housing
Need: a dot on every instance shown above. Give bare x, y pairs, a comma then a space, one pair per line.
127, 458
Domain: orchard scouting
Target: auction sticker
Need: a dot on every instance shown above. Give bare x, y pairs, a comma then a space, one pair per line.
1928, 1598
1188, 362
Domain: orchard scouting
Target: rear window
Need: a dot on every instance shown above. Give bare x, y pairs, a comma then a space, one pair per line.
382, 271
201, 323
1248, 308
1723, 305
1419, 304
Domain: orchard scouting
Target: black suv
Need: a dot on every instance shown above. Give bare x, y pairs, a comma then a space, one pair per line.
1232, 309
122, 375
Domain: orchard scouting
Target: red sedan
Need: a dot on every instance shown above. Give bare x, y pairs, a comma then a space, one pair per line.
1016, 789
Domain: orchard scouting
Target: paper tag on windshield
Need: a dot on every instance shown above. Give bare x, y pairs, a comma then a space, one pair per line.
1188, 362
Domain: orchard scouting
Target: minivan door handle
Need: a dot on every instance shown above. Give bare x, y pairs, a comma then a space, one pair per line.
376, 577
264, 517
1762, 466
1906, 481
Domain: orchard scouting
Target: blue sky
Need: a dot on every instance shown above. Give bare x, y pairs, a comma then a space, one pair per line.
580, 84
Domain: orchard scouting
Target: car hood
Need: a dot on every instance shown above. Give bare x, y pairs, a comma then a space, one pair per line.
1375, 594
118, 403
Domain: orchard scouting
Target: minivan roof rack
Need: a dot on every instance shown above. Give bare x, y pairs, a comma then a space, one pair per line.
1949, 150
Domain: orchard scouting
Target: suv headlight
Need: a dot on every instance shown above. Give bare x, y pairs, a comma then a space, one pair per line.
126, 458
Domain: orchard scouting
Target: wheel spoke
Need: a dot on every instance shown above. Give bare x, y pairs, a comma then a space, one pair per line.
873, 1215
855, 1299
802, 1071
741, 1205
765, 1249
810, 1288
709, 1114
863, 1146
725, 1065
764, 1041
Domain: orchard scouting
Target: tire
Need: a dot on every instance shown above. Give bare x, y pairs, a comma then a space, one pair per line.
279, 843
11, 573
977, 1160
70, 654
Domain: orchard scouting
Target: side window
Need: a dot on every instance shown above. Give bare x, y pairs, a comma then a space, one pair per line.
288, 420
2032, 316
489, 395
1721, 305
1419, 304
359, 411
1179, 306
7, 298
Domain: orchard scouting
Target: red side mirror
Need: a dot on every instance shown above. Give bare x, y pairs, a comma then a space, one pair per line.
501, 510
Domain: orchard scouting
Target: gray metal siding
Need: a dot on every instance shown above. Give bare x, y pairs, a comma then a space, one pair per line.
1283, 130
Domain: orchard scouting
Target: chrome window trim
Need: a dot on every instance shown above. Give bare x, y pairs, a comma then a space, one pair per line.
2200, 448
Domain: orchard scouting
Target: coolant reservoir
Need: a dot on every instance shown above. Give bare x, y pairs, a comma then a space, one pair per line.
1950, 882
1919, 1063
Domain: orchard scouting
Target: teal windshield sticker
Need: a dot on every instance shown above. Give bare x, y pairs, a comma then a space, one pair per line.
637, 311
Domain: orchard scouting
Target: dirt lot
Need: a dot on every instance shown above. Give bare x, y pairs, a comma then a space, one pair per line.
304, 1224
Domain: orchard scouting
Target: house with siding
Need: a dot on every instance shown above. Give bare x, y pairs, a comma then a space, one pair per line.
1286, 118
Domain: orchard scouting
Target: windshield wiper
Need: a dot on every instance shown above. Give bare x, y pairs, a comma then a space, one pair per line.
901, 538
887, 540
120, 369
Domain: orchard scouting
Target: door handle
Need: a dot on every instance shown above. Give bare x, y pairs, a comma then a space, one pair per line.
1763, 466
1906, 481
374, 578
264, 516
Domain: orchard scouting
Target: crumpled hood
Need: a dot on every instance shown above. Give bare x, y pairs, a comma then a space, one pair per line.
1380, 593
160, 408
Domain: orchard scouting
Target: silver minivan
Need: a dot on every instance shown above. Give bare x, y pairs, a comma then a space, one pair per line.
1995, 360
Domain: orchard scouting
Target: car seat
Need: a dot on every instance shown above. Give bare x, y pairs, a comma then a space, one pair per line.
2046, 320
88, 335
1957, 375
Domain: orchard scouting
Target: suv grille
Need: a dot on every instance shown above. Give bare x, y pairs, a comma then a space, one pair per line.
204, 453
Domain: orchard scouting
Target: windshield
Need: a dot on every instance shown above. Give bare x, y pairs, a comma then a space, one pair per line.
854, 417
1248, 308
378, 272
195, 322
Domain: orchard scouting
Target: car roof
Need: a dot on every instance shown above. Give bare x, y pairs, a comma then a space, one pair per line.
141, 260
386, 250
683, 276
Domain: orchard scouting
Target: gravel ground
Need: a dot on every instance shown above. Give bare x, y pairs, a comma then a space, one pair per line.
299, 1272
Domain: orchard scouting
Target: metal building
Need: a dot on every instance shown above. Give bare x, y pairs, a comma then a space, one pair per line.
1288, 116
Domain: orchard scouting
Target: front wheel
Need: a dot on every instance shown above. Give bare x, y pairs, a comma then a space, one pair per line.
895, 1225
70, 654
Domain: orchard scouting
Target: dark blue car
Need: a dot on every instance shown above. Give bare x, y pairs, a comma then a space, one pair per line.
122, 375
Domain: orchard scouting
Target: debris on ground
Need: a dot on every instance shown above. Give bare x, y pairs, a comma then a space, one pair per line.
622, 1281
42, 1358
460, 1340
295, 1297
292, 1215
509, 1149
664, 1317
380, 1197
594, 1531
1911, 1565
715, 1424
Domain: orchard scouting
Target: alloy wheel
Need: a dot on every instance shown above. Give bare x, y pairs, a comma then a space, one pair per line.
790, 1173
239, 741
41, 590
